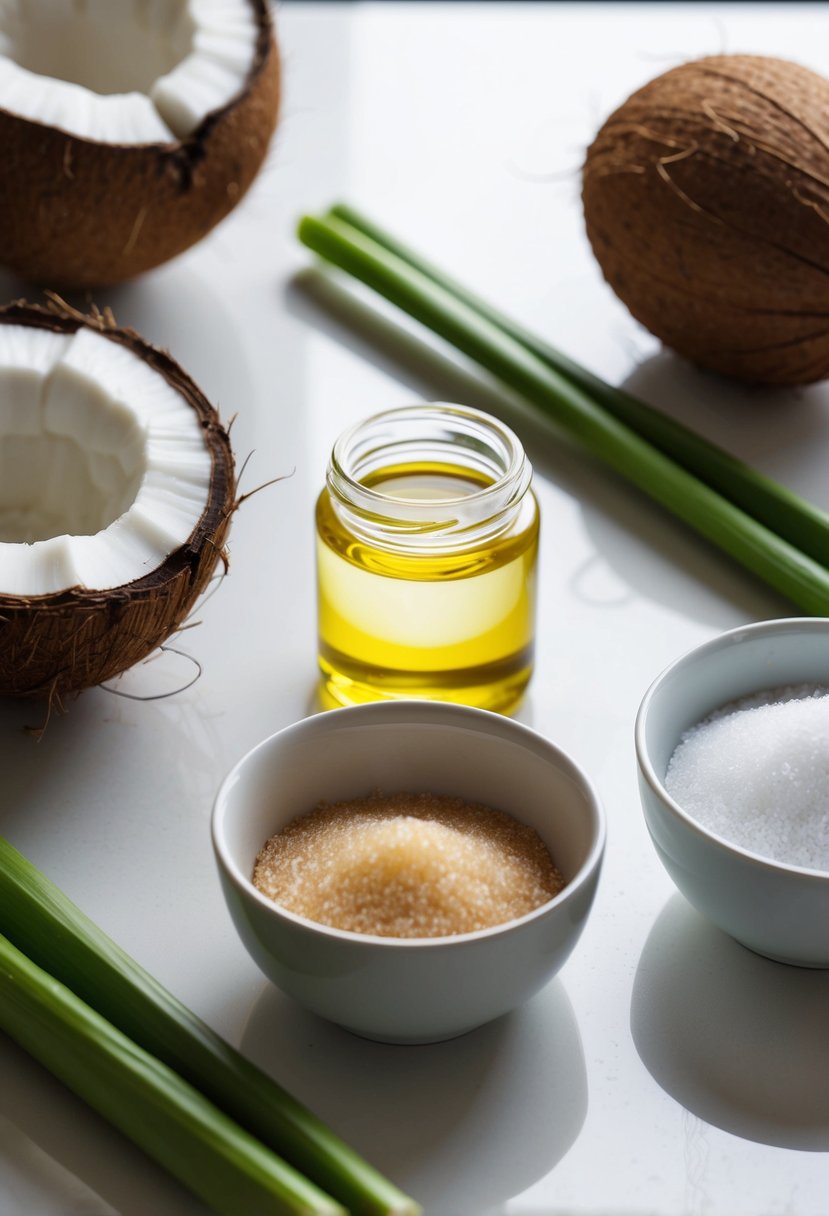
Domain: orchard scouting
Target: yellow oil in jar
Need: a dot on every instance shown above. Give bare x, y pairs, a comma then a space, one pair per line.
453, 624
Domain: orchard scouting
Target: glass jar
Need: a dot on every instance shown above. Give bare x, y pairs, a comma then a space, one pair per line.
427, 540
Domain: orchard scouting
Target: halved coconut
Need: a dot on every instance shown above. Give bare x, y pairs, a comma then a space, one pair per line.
116, 492
129, 129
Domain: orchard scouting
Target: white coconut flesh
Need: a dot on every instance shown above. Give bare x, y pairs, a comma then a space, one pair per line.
104, 469
124, 71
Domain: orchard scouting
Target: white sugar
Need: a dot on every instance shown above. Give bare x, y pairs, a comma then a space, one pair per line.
756, 773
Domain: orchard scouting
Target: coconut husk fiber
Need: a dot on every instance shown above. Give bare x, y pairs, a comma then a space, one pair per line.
706, 202
77, 213
57, 644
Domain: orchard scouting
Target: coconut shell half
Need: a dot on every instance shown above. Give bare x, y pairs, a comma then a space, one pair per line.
78, 213
706, 201
57, 644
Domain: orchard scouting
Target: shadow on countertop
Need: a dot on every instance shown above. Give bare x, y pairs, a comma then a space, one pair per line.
463, 1125
738, 1040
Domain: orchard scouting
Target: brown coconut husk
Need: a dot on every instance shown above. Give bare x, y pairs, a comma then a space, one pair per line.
54, 645
706, 201
75, 213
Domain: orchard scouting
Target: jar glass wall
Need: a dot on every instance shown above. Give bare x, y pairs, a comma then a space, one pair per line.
427, 541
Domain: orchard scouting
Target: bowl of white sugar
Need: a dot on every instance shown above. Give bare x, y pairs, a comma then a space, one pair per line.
732, 744
410, 869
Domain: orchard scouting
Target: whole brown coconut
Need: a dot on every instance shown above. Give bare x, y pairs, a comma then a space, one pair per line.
78, 213
57, 644
706, 201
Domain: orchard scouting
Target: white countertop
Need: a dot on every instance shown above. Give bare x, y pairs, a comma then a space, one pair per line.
667, 1071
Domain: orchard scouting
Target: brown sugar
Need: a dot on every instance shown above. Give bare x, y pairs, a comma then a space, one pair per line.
407, 865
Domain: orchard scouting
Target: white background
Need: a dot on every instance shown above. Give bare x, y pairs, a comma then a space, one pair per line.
667, 1070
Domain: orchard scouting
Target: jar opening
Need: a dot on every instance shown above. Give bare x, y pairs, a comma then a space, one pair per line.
446, 474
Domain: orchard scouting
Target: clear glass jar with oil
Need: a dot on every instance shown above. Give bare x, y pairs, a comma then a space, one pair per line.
427, 543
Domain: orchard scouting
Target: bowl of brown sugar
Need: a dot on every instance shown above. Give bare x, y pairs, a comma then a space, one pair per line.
409, 869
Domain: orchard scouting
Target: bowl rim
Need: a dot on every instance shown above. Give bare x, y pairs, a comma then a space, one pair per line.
486, 721
721, 641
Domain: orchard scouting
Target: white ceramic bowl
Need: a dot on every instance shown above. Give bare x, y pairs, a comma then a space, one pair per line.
394, 989
781, 911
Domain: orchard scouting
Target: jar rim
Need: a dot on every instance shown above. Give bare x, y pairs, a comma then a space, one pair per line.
487, 445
